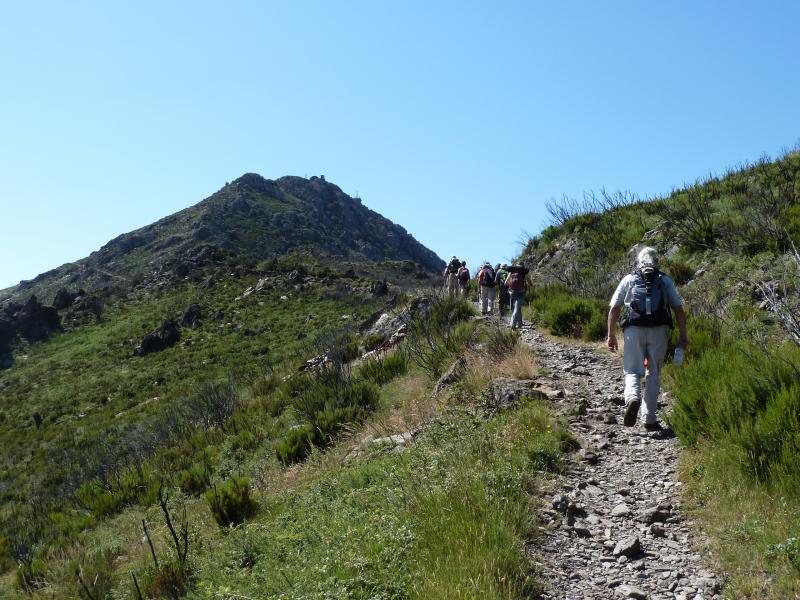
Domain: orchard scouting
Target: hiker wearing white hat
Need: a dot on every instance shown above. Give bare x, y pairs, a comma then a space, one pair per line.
648, 297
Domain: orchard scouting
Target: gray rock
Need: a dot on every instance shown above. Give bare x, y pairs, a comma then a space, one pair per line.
452, 375
629, 546
620, 510
629, 591
654, 515
159, 339
560, 503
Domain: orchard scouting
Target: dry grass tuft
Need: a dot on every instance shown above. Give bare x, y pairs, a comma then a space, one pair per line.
520, 364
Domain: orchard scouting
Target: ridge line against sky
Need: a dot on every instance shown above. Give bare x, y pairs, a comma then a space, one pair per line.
456, 120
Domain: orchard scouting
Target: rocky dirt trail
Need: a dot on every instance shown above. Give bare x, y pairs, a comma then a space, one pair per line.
614, 528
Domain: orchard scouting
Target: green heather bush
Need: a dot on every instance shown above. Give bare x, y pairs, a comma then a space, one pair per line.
231, 502
567, 316
373, 341
680, 272
500, 342
738, 395
438, 333
296, 445
382, 369
264, 384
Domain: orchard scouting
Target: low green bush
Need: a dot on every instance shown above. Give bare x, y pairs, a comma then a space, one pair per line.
438, 332
384, 368
680, 272
231, 502
296, 445
196, 476
373, 341
568, 316
737, 395
500, 342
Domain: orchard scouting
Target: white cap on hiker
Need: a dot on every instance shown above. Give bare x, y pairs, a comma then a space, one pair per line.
647, 257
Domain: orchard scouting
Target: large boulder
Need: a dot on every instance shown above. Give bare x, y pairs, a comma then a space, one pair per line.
36, 322
64, 298
161, 338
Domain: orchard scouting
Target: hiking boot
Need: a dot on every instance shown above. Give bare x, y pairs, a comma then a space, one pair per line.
653, 426
631, 412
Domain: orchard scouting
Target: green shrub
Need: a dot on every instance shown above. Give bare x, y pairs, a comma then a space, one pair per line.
680, 272
568, 316
789, 550
597, 328
231, 502
296, 446
382, 369
344, 348
373, 341
438, 332
500, 342
750, 400
265, 384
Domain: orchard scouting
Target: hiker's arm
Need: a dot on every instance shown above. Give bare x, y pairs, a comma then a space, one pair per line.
680, 317
613, 317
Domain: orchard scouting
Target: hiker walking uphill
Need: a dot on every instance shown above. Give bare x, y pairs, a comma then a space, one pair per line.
486, 284
450, 276
647, 296
464, 278
502, 289
516, 289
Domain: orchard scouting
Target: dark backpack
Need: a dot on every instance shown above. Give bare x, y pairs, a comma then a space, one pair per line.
648, 306
516, 282
488, 277
500, 277
463, 275
453, 266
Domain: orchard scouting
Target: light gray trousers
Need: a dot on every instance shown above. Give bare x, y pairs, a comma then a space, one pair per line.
487, 300
641, 343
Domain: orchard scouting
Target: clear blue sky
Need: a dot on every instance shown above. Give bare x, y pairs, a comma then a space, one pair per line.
456, 119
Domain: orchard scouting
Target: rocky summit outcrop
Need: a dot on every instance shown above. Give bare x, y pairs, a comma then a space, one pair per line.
253, 218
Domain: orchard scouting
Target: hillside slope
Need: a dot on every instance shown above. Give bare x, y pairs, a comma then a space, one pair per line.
256, 218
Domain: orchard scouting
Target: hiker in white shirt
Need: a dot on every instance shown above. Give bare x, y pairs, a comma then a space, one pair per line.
647, 296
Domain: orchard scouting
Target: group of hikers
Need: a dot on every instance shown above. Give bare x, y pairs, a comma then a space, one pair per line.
642, 304
503, 282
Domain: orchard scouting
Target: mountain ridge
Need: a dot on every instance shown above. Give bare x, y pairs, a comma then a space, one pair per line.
254, 217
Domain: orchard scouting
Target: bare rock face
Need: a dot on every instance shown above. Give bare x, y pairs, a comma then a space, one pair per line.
7, 336
163, 337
